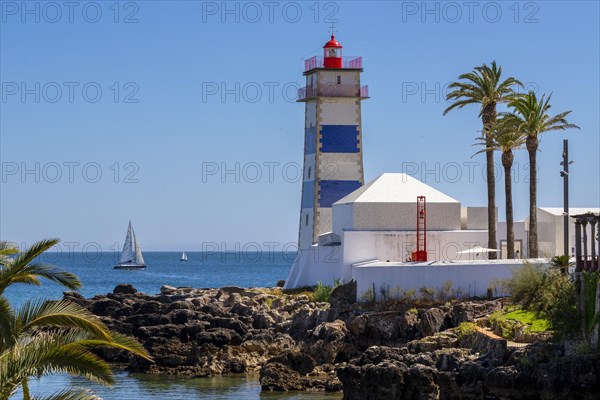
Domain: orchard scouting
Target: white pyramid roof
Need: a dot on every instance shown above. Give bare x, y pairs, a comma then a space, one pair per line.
395, 188
558, 211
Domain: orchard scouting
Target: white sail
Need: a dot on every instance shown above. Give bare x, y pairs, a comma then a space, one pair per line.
128, 253
131, 254
184, 256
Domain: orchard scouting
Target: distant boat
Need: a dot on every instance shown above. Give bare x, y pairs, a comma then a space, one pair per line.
183, 257
131, 256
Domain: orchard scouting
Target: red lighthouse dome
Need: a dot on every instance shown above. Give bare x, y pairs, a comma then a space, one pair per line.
332, 54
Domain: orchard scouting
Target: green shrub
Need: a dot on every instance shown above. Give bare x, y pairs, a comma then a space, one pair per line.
590, 283
321, 292
427, 293
505, 327
445, 292
548, 293
410, 294
368, 296
465, 329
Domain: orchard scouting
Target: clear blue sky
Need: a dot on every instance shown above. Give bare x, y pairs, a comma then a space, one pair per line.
172, 56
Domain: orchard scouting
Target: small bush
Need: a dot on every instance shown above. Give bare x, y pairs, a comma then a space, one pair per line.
465, 329
384, 291
368, 296
502, 326
321, 293
427, 294
548, 293
410, 294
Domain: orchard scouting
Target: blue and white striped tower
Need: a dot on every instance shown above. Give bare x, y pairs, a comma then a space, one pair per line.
333, 164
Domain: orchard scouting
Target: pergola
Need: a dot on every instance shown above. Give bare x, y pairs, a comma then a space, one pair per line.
585, 261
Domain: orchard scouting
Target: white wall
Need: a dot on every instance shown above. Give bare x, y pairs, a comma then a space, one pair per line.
472, 278
397, 245
318, 264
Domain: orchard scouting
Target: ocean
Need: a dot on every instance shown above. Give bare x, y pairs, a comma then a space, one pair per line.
202, 270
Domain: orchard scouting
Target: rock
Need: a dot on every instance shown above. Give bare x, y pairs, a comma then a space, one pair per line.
167, 290
330, 341
105, 307
181, 316
278, 377
344, 295
180, 305
166, 331
242, 309
432, 321
280, 283
468, 311
262, 320
150, 307
124, 289
373, 382
296, 361
219, 337
229, 323
76, 298
233, 299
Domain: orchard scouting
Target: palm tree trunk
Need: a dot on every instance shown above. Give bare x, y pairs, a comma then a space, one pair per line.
532, 241
488, 117
25, 387
507, 161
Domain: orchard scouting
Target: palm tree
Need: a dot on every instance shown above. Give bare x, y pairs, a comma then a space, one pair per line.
532, 116
506, 137
562, 262
47, 337
484, 86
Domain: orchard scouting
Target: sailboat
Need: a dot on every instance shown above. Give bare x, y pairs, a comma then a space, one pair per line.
183, 257
131, 256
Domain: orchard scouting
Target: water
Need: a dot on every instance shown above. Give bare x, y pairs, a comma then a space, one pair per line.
164, 268
245, 269
156, 387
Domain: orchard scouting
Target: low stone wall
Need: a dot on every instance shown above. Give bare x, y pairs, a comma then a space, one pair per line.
468, 279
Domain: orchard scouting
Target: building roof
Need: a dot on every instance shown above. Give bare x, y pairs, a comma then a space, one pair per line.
558, 211
332, 43
395, 188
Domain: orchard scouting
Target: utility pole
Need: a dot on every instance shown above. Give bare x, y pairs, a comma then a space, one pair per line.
565, 175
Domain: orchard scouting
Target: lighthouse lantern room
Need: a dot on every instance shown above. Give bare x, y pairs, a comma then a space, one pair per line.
333, 163
332, 54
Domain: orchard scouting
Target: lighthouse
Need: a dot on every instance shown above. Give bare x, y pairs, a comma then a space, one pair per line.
333, 162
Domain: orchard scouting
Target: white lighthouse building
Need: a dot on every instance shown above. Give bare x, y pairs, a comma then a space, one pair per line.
333, 164
394, 231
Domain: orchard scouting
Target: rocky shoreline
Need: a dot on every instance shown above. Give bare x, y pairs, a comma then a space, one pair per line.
368, 353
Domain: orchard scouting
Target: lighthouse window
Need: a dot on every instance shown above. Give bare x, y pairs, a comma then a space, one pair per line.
306, 220
309, 170
332, 53
339, 80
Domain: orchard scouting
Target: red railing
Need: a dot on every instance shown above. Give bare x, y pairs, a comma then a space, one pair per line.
333, 90
347, 62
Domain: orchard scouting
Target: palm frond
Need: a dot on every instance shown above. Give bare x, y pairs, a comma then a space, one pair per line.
69, 394
61, 313
117, 341
21, 270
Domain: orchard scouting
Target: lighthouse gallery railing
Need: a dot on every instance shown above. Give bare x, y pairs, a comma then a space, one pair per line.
347, 62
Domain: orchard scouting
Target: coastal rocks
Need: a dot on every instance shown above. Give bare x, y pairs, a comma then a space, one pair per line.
299, 344
343, 296
328, 342
296, 361
469, 310
432, 321
383, 328
393, 373
296, 371
124, 289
